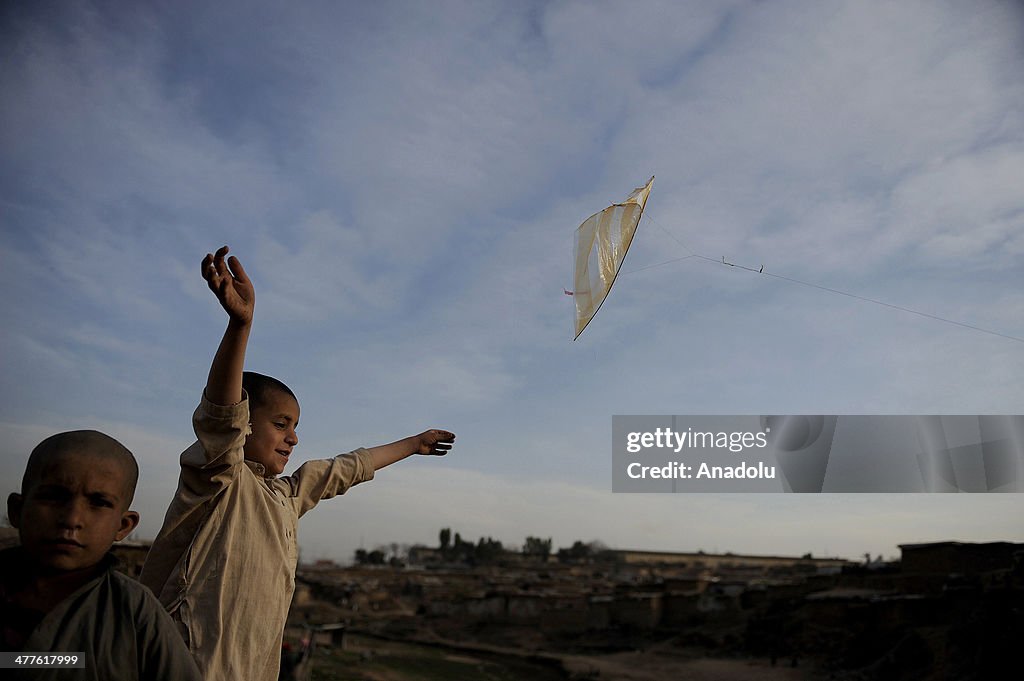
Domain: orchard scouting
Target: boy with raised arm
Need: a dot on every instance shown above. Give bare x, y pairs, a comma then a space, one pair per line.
60, 594
224, 562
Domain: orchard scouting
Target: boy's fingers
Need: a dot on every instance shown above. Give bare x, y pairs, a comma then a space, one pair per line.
206, 265
209, 270
219, 264
237, 270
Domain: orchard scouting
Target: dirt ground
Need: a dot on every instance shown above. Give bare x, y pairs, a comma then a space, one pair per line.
373, 660
652, 667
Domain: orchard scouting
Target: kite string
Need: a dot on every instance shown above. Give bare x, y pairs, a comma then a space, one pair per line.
694, 254
667, 262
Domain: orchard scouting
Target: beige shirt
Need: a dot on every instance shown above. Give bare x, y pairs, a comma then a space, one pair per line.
224, 562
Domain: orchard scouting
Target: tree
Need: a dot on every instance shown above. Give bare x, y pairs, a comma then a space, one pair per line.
375, 557
487, 550
576, 553
446, 538
537, 547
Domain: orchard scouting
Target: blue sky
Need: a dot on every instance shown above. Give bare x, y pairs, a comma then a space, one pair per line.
402, 181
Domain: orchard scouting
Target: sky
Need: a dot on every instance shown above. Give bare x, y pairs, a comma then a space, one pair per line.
402, 181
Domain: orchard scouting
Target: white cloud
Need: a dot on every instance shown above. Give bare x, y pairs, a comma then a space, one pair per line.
961, 209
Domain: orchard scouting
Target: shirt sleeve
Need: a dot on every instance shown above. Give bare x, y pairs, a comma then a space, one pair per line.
208, 467
325, 478
162, 653
214, 459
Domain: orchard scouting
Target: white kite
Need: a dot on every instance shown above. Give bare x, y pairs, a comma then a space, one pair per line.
601, 244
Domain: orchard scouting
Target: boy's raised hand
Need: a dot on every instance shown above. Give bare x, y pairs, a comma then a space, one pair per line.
434, 442
230, 284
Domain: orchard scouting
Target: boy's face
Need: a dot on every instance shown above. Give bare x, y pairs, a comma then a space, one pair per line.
273, 432
72, 512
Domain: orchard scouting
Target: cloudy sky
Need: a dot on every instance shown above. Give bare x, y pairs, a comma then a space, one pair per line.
402, 181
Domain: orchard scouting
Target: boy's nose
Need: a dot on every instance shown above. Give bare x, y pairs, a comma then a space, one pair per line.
291, 438
72, 515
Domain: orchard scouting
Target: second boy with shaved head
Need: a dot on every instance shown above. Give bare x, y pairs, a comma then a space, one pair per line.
59, 592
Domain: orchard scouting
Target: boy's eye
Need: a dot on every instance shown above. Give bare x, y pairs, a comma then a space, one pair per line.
51, 494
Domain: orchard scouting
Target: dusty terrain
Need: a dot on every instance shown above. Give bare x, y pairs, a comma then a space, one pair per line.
370, 659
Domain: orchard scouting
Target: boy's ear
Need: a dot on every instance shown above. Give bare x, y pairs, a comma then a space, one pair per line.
14, 503
129, 521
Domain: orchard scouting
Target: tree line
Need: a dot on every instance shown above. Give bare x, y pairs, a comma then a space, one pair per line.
454, 549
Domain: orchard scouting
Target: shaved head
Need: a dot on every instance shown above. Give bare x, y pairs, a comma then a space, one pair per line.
259, 388
82, 443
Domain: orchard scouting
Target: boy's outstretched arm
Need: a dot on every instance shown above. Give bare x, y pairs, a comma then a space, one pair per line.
429, 442
233, 289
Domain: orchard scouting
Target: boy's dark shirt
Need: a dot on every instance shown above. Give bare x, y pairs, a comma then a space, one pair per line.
113, 621
18, 622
